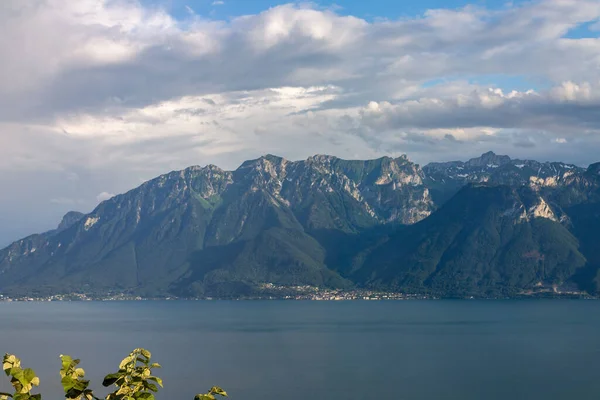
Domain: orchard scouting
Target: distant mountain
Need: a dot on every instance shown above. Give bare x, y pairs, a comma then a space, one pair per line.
487, 240
579, 196
205, 230
445, 179
579, 188
488, 226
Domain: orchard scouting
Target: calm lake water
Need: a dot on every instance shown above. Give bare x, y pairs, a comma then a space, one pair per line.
323, 350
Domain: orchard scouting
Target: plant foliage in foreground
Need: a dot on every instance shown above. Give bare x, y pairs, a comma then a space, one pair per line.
133, 381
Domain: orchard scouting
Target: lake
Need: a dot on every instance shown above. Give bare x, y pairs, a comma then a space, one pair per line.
546, 349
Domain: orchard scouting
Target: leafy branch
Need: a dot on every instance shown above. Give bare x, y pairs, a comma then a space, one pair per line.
133, 381
75, 387
22, 380
134, 378
211, 394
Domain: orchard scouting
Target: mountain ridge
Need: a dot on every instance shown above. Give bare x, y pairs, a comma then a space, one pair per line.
323, 221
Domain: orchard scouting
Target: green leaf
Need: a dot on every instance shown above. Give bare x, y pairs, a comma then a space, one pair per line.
156, 379
19, 375
204, 397
155, 365
28, 376
66, 361
67, 383
145, 396
110, 379
151, 386
73, 393
126, 361
81, 385
6, 365
124, 390
218, 390
146, 353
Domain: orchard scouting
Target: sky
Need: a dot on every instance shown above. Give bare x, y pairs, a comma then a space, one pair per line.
97, 96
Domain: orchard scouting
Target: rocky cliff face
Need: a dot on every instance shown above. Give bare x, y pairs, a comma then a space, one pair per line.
156, 234
318, 189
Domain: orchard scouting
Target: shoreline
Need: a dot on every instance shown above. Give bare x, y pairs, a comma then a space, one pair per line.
39, 300
266, 292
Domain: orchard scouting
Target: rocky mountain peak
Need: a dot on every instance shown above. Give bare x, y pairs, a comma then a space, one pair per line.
69, 219
268, 161
207, 168
267, 172
322, 160
446, 178
488, 159
594, 169
401, 159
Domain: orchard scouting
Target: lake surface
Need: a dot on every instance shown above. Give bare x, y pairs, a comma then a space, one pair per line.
322, 350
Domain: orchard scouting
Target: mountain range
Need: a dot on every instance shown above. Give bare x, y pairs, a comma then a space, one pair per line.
491, 226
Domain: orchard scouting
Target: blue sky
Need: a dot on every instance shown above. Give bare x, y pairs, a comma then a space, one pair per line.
391, 9
369, 10
586, 30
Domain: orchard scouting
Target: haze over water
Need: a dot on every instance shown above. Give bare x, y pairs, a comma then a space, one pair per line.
322, 350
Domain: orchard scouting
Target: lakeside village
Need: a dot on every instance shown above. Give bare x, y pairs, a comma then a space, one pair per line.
266, 291
270, 291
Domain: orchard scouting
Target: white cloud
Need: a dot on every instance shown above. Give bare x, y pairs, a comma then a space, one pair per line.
565, 107
571, 91
108, 51
218, 3
104, 196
